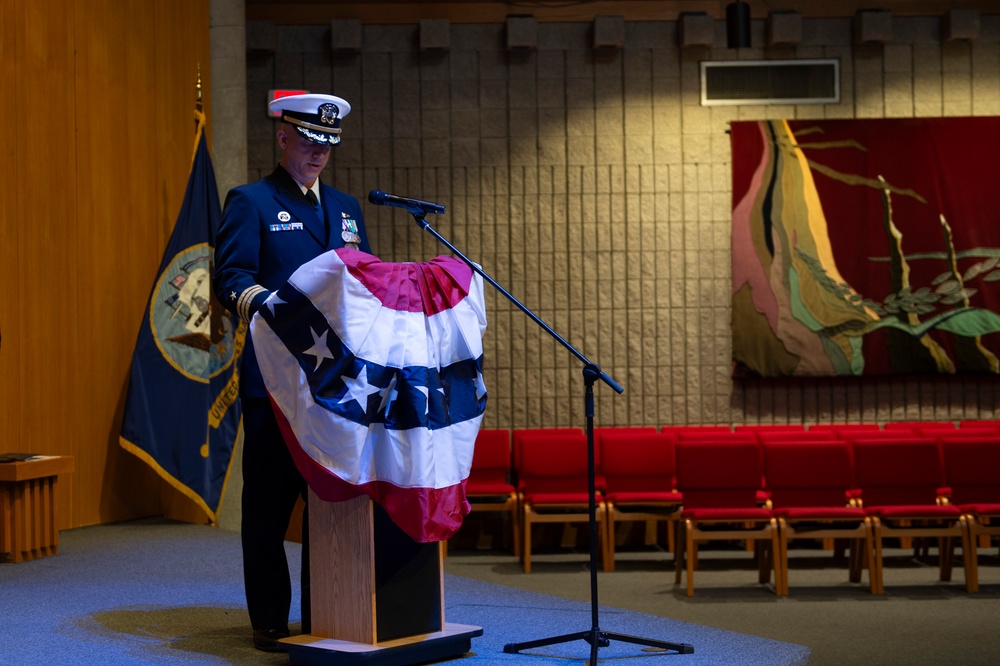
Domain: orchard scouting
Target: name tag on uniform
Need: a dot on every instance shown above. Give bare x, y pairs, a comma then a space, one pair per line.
291, 226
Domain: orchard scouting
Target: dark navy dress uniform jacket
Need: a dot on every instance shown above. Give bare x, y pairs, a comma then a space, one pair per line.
268, 230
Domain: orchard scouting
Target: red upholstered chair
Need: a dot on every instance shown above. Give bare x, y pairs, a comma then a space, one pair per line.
979, 423
632, 429
521, 433
901, 481
730, 436
812, 492
713, 436
792, 436
773, 427
719, 480
681, 430
638, 469
959, 433
844, 429
942, 430
801, 436
552, 484
943, 433
916, 426
489, 487
971, 470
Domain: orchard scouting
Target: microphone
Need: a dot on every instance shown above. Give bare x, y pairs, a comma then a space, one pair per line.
380, 198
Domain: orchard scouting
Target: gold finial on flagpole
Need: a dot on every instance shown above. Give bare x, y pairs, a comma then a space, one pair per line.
198, 102
199, 113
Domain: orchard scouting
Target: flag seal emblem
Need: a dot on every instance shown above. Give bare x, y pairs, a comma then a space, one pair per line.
190, 327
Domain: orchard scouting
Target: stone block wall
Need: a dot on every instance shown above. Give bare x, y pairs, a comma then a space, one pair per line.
592, 184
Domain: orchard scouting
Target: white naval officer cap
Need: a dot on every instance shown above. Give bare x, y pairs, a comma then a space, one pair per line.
315, 117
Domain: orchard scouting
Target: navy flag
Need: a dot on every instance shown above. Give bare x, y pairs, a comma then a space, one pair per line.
182, 415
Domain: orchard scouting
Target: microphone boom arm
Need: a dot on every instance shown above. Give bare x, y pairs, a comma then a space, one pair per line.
418, 217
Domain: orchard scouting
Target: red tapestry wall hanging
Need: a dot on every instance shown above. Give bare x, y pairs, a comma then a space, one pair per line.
866, 247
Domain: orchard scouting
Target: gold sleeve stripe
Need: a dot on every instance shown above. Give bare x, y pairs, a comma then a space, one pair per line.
246, 298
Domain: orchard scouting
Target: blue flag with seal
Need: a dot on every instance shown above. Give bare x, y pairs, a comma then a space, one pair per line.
182, 415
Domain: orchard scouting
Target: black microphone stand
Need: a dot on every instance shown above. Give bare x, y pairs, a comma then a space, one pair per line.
595, 636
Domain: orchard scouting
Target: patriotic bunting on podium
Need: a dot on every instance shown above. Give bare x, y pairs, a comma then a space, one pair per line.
374, 370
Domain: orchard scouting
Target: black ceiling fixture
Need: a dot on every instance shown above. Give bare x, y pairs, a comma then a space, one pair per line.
738, 25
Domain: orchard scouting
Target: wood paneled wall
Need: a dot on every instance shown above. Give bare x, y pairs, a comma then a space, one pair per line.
99, 106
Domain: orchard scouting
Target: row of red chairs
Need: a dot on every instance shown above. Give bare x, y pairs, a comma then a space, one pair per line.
767, 491
840, 429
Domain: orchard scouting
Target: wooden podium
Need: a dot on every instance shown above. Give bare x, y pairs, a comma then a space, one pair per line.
377, 595
28, 527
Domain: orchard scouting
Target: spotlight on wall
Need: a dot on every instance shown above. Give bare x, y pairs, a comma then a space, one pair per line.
738, 25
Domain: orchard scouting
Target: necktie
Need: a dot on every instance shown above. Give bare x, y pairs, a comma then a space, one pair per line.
311, 196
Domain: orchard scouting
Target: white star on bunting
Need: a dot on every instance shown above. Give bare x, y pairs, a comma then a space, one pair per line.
427, 398
319, 349
358, 388
276, 300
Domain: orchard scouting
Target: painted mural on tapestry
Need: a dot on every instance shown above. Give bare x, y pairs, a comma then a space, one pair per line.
866, 247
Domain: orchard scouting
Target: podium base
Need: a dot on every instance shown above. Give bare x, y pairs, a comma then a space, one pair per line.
453, 641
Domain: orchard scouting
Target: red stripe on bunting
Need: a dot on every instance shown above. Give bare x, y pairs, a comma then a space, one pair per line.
424, 514
429, 287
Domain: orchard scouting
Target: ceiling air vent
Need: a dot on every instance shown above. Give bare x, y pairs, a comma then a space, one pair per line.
770, 82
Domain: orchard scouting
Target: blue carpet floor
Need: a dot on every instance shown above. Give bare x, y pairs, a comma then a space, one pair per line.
155, 592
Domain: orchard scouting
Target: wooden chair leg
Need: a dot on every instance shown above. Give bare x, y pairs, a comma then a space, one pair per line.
692, 557
877, 551
854, 559
517, 533
781, 559
971, 556
680, 552
907, 542
603, 535
526, 548
946, 549
608, 542
763, 561
650, 533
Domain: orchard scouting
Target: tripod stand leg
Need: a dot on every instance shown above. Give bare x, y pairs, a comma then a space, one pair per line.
598, 639
513, 648
595, 637
680, 648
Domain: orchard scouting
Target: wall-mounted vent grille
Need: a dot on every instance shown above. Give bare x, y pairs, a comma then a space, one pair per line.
770, 82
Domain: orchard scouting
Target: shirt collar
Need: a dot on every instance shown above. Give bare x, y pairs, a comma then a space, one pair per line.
304, 189
314, 188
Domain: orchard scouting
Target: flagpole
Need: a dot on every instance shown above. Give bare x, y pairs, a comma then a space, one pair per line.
199, 116
197, 102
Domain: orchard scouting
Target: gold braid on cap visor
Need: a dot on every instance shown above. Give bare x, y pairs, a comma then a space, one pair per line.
325, 129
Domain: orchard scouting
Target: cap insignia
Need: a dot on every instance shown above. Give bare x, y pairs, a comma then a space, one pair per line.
328, 114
